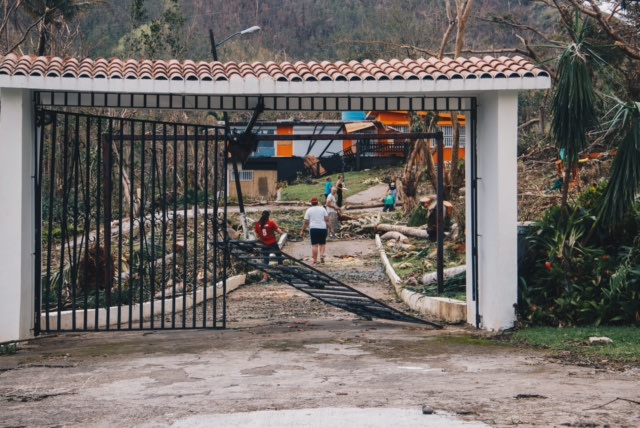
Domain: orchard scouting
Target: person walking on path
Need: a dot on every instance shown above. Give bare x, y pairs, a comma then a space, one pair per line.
333, 209
393, 189
316, 219
327, 187
266, 232
389, 202
341, 187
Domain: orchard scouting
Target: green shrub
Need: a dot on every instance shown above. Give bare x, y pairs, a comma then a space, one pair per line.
573, 273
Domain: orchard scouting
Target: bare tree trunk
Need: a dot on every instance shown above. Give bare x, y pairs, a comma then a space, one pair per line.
463, 10
411, 175
126, 183
448, 31
459, 22
431, 167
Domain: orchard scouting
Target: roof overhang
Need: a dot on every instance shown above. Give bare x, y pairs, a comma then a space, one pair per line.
383, 85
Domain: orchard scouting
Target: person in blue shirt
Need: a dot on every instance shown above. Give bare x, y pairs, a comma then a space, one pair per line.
393, 189
327, 187
389, 202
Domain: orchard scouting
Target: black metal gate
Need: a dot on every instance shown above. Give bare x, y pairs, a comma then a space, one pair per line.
127, 226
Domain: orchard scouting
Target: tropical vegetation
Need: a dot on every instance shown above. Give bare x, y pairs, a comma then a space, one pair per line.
582, 261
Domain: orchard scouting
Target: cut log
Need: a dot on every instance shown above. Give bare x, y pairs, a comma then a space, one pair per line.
396, 236
405, 230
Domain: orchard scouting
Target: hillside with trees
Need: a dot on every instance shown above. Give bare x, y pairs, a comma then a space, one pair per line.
292, 30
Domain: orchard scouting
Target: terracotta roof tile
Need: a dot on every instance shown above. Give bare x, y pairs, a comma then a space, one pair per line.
360, 70
70, 68
407, 69
142, 70
203, 71
115, 69
218, 72
132, 71
190, 70
85, 69
260, 70
100, 68
176, 71
232, 69
37, 63
318, 72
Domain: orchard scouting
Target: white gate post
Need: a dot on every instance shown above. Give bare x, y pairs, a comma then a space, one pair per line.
497, 210
16, 215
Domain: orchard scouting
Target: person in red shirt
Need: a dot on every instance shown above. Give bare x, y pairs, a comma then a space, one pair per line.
266, 232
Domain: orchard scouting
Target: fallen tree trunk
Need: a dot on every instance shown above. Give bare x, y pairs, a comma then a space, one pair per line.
405, 230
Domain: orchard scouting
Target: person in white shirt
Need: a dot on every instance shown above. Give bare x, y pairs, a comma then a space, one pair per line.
316, 219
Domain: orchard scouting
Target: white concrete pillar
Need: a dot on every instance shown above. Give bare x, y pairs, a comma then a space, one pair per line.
16, 215
497, 135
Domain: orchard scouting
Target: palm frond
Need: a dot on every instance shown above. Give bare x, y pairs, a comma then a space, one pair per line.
624, 182
574, 99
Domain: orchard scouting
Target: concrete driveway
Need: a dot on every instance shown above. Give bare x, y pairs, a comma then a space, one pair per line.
335, 371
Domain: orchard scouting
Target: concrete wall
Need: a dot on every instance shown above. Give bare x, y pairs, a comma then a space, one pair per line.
497, 135
16, 215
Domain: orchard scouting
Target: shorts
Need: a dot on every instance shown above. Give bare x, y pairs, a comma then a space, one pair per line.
318, 236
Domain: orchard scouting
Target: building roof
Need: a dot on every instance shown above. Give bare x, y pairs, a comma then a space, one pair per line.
409, 76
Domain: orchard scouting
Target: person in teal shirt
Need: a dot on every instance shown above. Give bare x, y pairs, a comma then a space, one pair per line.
327, 187
389, 202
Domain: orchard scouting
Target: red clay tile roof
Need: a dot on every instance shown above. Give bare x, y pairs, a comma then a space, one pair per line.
381, 70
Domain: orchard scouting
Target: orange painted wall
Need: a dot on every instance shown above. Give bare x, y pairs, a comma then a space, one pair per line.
284, 148
347, 145
400, 118
447, 155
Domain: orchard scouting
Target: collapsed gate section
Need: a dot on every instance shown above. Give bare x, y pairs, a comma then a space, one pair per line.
127, 224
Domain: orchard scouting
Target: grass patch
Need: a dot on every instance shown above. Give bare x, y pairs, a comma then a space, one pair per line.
454, 287
625, 348
422, 260
356, 181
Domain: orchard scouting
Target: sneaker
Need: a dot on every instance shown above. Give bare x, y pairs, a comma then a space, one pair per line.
322, 260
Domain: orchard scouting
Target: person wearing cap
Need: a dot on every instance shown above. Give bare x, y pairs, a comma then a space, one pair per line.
266, 232
316, 218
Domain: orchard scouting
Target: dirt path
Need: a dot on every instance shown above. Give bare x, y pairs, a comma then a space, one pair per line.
355, 262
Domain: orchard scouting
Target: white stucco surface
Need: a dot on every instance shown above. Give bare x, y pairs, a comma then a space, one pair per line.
497, 212
16, 215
